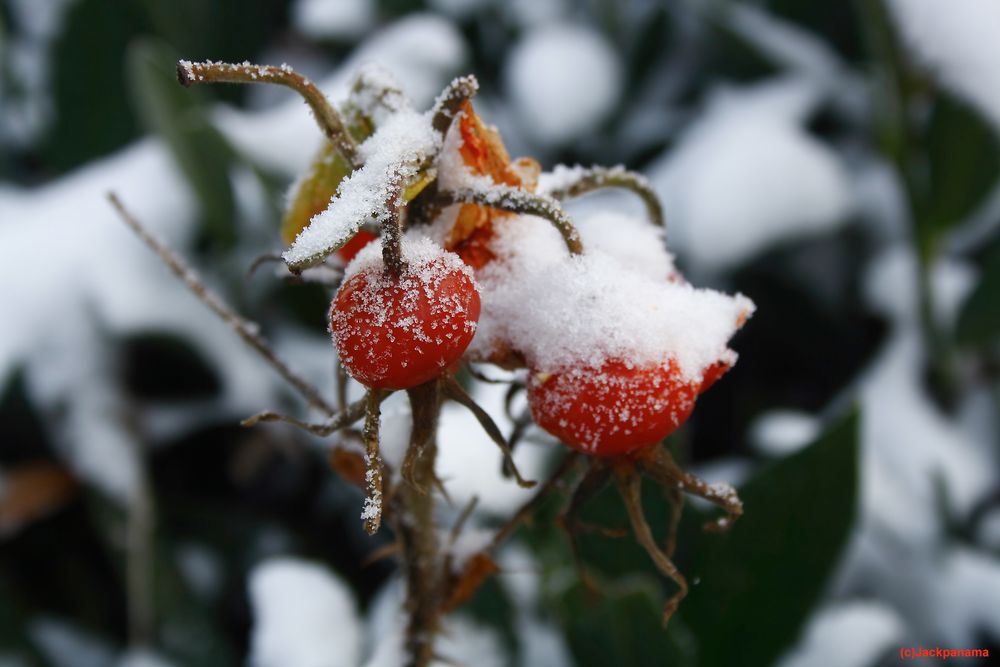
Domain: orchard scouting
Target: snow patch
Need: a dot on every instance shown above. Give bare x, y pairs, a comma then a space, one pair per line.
563, 80
304, 616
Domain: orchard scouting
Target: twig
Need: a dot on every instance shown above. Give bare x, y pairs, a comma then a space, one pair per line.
451, 100
529, 507
392, 233
596, 178
372, 513
327, 117
629, 485
456, 528
245, 329
339, 420
515, 200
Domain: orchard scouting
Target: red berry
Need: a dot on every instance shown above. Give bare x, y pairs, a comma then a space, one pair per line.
354, 246
612, 410
399, 332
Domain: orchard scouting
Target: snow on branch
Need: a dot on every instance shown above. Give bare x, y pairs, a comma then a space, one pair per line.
564, 182
327, 117
396, 154
516, 200
450, 100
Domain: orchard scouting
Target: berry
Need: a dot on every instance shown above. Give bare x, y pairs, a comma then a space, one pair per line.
396, 332
612, 410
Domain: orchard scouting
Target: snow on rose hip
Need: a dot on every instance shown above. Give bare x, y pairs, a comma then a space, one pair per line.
399, 331
477, 262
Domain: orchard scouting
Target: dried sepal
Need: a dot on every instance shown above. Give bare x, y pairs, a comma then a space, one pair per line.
630, 486
455, 392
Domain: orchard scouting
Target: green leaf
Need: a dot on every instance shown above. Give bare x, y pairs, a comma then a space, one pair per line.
979, 320
963, 161
623, 627
175, 114
89, 94
755, 586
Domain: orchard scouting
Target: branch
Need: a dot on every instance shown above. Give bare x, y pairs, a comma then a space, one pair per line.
245, 329
342, 419
597, 177
374, 500
327, 117
451, 100
529, 507
515, 200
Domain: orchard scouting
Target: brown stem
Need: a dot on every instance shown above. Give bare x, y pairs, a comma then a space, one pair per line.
327, 117
506, 198
451, 99
413, 522
374, 499
245, 329
629, 484
597, 178
658, 463
529, 507
392, 234
337, 421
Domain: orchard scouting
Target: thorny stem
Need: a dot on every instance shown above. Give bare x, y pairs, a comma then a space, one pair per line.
425, 406
515, 200
597, 177
372, 513
245, 329
327, 117
413, 522
392, 234
451, 99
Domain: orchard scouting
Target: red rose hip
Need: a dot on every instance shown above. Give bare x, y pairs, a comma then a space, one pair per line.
396, 332
613, 410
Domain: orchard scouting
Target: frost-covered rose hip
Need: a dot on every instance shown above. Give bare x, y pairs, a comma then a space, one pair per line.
396, 332
612, 410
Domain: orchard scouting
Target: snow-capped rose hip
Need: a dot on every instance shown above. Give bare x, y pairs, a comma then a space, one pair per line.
612, 410
396, 332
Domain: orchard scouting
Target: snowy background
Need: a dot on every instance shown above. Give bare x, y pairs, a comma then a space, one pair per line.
836, 162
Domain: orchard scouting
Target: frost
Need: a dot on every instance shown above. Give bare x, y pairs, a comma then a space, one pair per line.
392, 157
564, 80
304, 616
